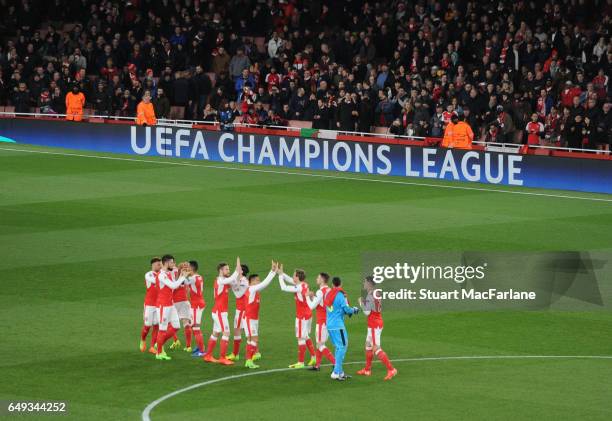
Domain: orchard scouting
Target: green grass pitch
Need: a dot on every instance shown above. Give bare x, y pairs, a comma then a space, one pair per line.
77, 233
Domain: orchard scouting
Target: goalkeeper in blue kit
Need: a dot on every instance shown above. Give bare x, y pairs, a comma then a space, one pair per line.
337, 307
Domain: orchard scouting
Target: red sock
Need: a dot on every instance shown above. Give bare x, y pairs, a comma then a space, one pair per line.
250, 350
174, 338
327, 353
385, 360
144, 332
212, 342
199, 339
154, 335
301, 352
310, 346
369, 356
237, 345
162, 337
187, 336
223, 348
170, 333
318, 356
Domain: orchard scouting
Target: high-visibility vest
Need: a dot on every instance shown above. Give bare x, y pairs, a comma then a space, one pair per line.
145, 114
458, 135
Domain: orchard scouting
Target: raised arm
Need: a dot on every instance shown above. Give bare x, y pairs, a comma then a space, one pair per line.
163, 278
282, 279
233, 277
263, 284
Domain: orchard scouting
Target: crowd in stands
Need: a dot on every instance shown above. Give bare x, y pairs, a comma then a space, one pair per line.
516, 71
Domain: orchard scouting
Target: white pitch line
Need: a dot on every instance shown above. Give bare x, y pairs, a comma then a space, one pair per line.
146, 413
338, 177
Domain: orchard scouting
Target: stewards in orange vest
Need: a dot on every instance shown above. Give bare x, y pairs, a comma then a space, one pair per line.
458, 134
145, 114
74, 104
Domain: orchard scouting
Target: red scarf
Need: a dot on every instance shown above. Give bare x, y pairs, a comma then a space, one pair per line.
331, 296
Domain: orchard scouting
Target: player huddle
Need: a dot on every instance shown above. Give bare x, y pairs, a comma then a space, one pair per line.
174, 298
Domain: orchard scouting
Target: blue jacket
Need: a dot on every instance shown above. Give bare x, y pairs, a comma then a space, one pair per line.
337, 311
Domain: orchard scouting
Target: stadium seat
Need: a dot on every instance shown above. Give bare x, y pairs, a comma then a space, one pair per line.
260, 43
9, 109
381, 130
177, 113
301, 124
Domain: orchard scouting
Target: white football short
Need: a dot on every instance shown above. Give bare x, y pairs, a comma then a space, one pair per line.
238, 320
321, 333
302, 328
196, 315
183, 309
220, 323
167, 314
150, 316
251, 327
373, 336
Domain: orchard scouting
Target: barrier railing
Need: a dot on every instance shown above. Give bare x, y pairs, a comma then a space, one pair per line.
508, 147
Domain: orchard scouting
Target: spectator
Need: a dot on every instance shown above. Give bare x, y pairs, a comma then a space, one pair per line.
209, 114
44, 102
220, 62
77, 60
524, 57
603, 128
102, 101
181, 89
202, 87
321, 117
275, 46
58, 104
493, 134
366, 115
396, 128
244, 80
145, 112
127, 104
347, 113
161, 104
505, 124
238, 64
384, 109
21, 98
75, 100
576, 131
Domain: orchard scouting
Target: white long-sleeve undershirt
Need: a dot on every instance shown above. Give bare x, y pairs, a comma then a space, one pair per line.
150, 279
282, 278
239, 288
314, 302
165, 280
263, 284
222, 280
